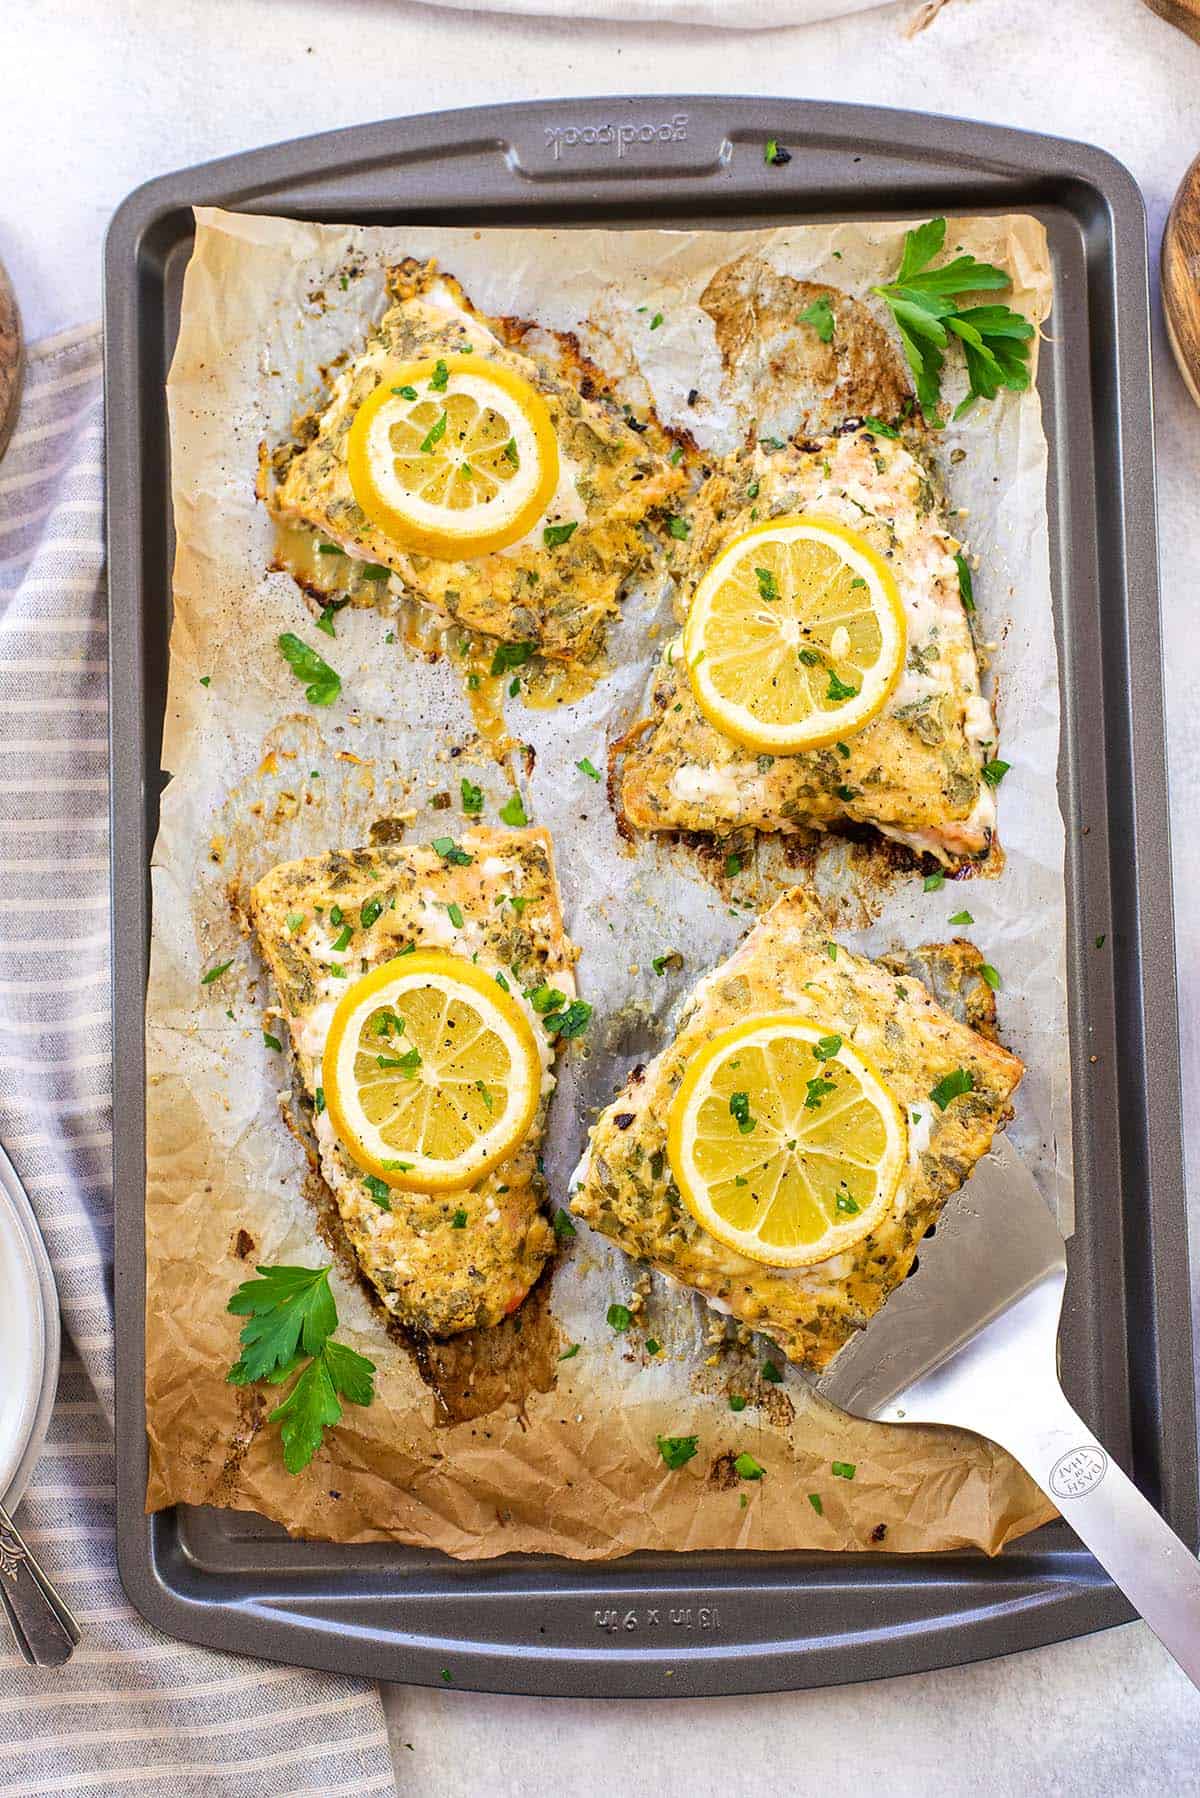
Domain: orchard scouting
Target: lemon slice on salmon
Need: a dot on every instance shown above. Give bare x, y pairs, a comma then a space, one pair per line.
431, 1072
453, 456
796, 636
785, 1143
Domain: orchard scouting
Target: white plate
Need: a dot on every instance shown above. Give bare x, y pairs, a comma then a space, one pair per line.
29, 1337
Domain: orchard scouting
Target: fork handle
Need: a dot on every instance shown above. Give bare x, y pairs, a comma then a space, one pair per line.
1157, 1572
43, 1628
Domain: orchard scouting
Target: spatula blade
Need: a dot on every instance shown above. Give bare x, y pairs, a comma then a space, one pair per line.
994, 1242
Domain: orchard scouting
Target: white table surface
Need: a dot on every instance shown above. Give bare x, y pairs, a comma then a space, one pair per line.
97, 96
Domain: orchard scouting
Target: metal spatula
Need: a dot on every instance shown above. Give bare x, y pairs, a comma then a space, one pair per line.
972, 1341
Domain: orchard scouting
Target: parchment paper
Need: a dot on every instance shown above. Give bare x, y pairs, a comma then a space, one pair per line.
574, 1470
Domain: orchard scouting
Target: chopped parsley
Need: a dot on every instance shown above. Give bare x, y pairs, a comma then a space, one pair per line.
222, 967
679, 528
554, 534
672, 961
737, 1401
934, 882
440, 376
376, 571
818, 1090
747, 1468
739, 1110
962, 917
656, 321
379, 1191
952, 1086
966, 589
733, 866
987, 972
405, 393
272, 1042
877, 427
771, 1372
842, 1470
820, 316
768, 586
459, 1220
454, 913
585, 767
814, 1499
774, 153
563, 1225
513, 810
450, 852
472, 797
342, 941
618, 1318
323, 683
510, 655
206, 680
568, 1024
850, 1207
325, 621
434, 435
676, 456
370, 913
677, 1451
994, 772
827, 1048
569, 1354
838, 689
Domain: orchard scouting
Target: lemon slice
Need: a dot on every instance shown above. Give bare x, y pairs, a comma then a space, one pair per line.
795, 636
785, 1144
453, 456
431, 1072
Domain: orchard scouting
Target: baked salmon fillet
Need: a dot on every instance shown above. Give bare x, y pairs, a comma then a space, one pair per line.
916, 772
435, 1274
952, 1083
555, 587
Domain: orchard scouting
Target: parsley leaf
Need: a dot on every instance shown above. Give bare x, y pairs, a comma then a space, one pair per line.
554, 534
440, 377
775, 154
325, 621
737, 1401
454, 913
679, 528
827, 1048
677, 1451
324, 683
618, 1318
563, 1225
962, 917
814, 1499
988, 973
472, 798
877, 427
585, 767
820, 316
513, 811
272, 1042
290, 1310
838, 689
222, 967
312, 1406
818, 1091
747, 1468
923, 302
371, 910
768, 586
952, 1086
843, 1470
379, 1190
934, 882
994, 771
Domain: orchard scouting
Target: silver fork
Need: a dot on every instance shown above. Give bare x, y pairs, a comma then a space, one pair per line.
972, 1340
45, 1631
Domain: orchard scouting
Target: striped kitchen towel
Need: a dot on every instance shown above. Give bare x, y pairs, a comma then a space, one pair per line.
132, 1712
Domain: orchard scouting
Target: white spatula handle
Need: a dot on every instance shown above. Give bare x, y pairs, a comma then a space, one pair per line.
1158, 1574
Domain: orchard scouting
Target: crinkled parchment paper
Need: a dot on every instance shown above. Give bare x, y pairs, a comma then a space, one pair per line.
574, 1469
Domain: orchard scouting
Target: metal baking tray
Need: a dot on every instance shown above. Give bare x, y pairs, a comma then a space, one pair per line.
662, 1624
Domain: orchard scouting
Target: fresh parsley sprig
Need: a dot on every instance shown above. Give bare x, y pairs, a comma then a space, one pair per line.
924, 302
291, 1317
